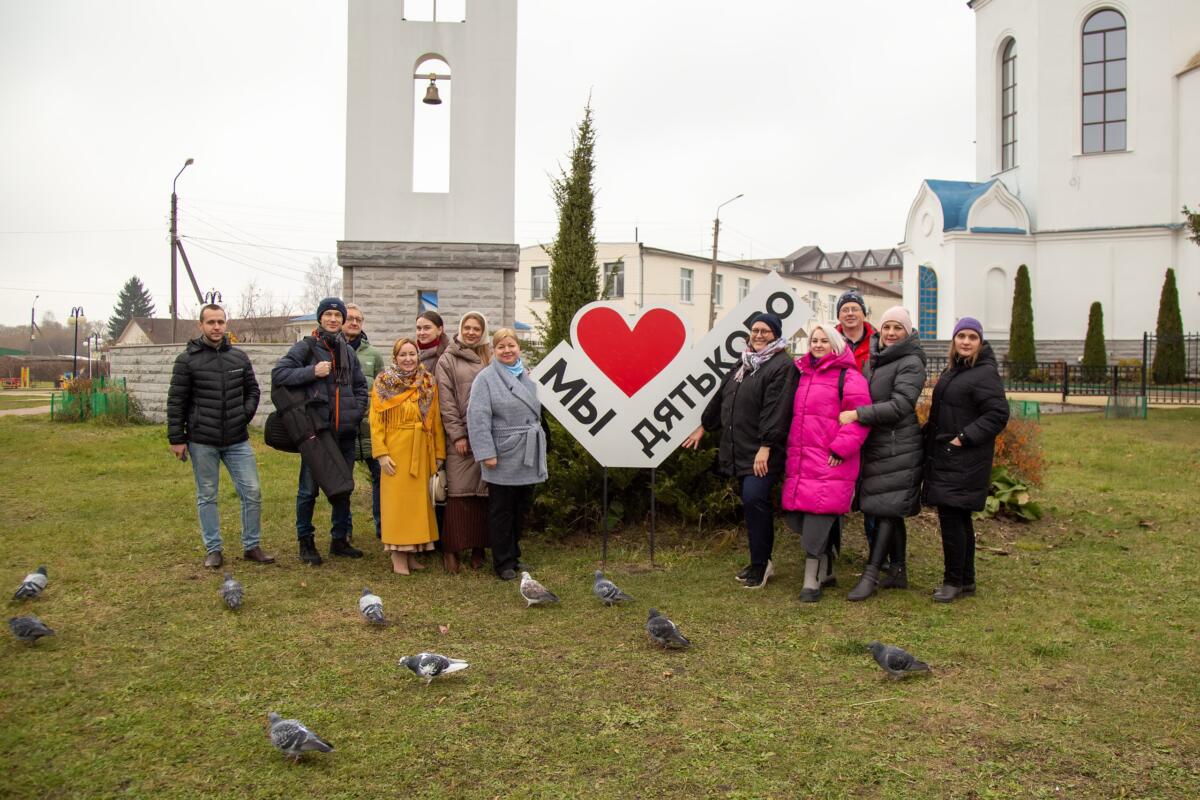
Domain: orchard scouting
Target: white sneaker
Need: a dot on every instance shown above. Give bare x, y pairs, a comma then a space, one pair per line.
768, 571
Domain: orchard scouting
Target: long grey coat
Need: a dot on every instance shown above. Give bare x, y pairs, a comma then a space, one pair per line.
894, 454
455, 372
504, 422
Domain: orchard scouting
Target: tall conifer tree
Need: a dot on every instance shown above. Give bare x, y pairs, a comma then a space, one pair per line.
1170, 363
133, 301
573, 276
1022, 353
1095, 358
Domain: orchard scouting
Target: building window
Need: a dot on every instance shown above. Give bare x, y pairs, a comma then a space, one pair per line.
832, 307
614, 279
431, 127
869, 261
814, 302
539, 283
846, 262
427, 300
927, 302
893, 261
1008, 106
824, 263
743, 288
1104, 103
435, 10
685, 285
719, 295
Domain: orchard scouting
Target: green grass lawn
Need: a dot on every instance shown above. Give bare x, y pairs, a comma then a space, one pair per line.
16, 399
1072, 674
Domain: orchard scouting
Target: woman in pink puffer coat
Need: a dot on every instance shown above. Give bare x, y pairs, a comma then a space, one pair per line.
821, 469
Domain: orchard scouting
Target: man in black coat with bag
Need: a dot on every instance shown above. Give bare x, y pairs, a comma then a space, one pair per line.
327, 369
212, 398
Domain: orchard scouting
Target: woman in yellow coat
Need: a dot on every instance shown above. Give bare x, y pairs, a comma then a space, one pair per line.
408, 441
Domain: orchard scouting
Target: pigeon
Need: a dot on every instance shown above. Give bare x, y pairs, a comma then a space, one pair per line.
430, 665
534, 593
607, 591
896, 662
32, 586
663, 632
29, 629
371, 607
232, 592
293, 738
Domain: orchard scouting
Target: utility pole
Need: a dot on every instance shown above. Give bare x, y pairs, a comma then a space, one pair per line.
76, 317
712, 283
174, 249
32, 324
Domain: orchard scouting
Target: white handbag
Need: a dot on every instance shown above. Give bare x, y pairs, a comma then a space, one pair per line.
437, 486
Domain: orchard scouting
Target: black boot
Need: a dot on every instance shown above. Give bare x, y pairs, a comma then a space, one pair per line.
896, 576
342, 547
869, 581
308, 551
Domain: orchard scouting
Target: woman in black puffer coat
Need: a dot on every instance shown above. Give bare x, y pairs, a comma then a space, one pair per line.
969, 411
893, 457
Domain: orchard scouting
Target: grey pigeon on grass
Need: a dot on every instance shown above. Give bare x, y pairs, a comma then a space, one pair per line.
534, 593
32, 586
664, 632
607, 591
232, 592
895, 662
292, 738
29, 628
431, 665
371, 607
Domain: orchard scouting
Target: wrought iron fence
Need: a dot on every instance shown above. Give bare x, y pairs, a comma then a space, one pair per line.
1177, 382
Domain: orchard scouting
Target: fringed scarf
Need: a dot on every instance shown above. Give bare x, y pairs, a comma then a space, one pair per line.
751, 360
392, 382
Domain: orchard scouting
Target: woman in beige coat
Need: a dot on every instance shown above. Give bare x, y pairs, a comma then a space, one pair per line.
465, 525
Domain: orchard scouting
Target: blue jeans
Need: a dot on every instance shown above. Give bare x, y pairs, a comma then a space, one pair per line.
760, 519
206, 467
342, 525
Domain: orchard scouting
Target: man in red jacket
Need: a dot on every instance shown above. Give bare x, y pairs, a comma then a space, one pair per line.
853, 325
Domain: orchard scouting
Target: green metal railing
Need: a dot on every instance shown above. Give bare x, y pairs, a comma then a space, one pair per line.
102, 397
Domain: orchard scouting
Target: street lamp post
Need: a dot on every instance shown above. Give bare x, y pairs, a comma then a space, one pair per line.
32, 324
76, 317
93, 343
712, 283
175, 247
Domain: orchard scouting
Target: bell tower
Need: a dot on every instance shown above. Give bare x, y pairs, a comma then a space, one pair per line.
430, 152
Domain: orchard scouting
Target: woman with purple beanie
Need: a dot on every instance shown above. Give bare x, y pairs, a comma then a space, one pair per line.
969, 411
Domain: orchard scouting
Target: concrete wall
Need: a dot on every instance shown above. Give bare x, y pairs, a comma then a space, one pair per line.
384, 50
147, 373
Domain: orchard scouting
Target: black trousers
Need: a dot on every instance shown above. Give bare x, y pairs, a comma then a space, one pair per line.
958, 545
507, 506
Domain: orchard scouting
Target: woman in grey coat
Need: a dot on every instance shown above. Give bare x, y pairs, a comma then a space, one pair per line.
505, 432
893, 455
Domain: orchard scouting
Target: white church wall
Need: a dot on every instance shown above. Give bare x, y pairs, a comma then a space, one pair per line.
976, 289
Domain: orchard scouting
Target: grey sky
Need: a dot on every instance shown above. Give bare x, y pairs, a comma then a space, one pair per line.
826, 115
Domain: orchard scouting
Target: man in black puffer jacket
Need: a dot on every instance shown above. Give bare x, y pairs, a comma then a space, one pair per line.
213, 397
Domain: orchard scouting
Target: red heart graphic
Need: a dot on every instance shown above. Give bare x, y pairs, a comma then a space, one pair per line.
630, 358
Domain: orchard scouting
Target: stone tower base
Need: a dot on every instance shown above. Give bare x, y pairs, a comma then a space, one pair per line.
385, 279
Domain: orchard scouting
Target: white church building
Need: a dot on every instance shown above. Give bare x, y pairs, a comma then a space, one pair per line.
1087, 148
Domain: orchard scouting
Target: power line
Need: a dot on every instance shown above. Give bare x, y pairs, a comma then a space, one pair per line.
84, 230
263, 246
247, 264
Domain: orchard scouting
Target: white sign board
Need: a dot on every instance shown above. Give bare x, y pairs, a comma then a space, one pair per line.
634, 386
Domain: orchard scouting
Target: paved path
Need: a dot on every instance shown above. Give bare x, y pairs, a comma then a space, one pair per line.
20, 412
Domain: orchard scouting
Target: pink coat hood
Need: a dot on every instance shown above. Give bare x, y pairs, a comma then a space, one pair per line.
809, 483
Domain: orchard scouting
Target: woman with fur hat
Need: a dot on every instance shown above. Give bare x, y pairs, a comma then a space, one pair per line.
969, 411
752, 409
893, 457
465, 523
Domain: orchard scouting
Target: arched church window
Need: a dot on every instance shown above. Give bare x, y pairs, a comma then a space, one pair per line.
1104, 82
1008, 106
927, 302
431, 125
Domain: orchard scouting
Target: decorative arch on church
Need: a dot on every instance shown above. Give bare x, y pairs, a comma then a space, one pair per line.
996, 297
431, 125
1105, 103
927, 302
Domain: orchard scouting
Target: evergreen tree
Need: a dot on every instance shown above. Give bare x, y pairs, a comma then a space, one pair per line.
1022, 353
573, 276
1170, 363
1095, 358
133, 301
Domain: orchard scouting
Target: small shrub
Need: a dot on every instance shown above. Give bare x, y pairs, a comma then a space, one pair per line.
1019, 448
1009, 496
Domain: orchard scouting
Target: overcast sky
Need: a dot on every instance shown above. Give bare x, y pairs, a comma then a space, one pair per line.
826, 115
